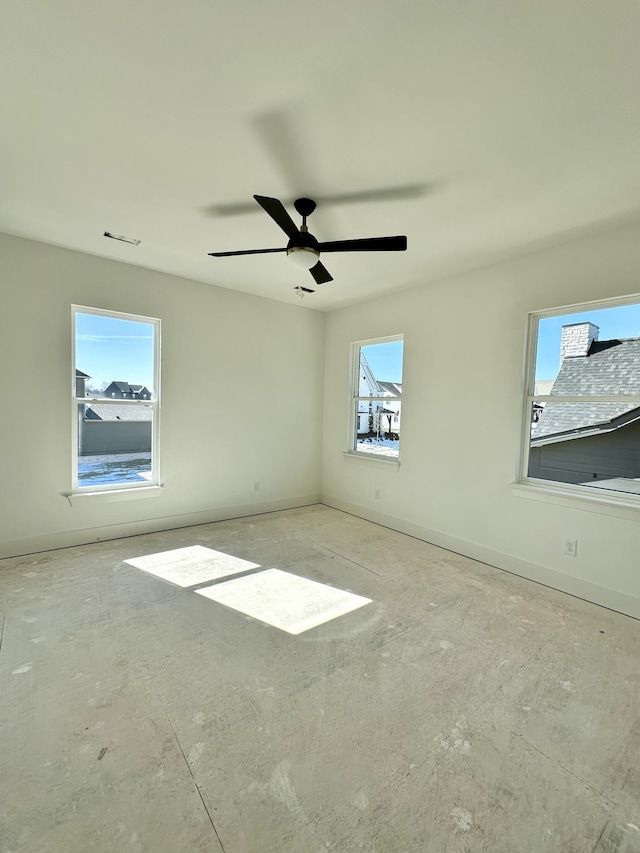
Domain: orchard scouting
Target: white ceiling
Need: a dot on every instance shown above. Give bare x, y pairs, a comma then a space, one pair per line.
514, 122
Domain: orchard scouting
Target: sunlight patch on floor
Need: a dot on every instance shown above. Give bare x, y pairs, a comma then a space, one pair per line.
192, 565
283, 600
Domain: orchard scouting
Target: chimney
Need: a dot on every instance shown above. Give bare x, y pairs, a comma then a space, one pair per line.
576, 339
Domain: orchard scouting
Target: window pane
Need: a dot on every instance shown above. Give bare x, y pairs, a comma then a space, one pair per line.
115, 365
116, 355
589, 444
378, 429
114, 444
377, 422
384, 360
589, 353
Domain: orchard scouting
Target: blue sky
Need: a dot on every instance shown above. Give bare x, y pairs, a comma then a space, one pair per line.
620, 322
385, 360
109, 349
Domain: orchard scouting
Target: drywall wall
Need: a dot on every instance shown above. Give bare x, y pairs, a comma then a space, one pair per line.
462, 420
241, 399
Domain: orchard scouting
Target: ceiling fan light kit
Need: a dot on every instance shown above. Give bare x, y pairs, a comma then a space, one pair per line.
303, 257
303, 249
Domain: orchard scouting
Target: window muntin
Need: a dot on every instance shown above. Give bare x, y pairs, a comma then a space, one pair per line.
582, 412
115, 433
376, 409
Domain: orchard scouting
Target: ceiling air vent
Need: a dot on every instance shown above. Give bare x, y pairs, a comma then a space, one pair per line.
122, 238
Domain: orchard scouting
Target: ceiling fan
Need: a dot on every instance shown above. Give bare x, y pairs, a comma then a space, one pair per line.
303, 249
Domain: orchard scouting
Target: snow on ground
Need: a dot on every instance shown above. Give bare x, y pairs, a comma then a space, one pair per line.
114, 468
378, 446
117, 468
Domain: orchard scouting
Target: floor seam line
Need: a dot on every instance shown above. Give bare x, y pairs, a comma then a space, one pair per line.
566, 769
193, 778
349, 560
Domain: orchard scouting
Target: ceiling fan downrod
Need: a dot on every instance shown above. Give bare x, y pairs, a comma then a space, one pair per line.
305, 207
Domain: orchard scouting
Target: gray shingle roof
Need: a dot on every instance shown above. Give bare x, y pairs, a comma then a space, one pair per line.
558, 418
610, 367
115, 412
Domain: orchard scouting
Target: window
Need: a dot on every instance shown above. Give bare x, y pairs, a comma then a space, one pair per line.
115, 434
377, 397
582, 414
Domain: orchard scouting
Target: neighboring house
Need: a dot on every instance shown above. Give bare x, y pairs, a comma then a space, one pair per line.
125, 391
109, 428
574, 442
377, 415
540, 389
113, 412
391, 411
81, 383
543, 387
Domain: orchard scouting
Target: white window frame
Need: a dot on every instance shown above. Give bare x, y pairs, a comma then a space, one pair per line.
355, 399
153, 403
553, 488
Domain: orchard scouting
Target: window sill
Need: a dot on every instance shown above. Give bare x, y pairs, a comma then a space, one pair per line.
115, 494
372, 457
604, 503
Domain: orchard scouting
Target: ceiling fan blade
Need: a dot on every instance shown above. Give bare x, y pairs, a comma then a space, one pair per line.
399, 193
321, 274
232, 208
277, 212
244, 252
368, 244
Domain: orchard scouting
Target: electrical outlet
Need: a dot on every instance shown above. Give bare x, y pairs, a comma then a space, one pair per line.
256, 485
571, 547
376, 494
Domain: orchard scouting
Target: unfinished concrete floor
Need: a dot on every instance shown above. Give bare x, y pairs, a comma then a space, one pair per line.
463, 709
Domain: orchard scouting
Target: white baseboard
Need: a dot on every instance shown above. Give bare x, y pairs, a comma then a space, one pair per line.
621, 602
614, 599
69, 538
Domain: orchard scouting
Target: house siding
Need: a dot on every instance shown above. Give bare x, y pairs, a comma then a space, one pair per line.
104, 437
583, 460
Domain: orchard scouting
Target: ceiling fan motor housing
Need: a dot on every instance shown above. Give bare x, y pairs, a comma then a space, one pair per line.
303, 240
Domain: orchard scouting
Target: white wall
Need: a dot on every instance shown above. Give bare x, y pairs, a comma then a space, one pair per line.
229, 360
461, 413
461, 420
